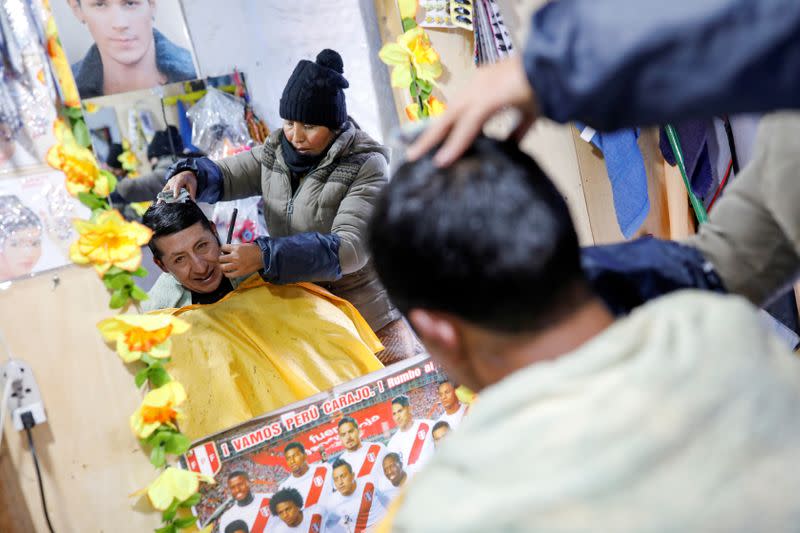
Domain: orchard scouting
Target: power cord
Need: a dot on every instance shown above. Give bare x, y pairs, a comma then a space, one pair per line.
28, 422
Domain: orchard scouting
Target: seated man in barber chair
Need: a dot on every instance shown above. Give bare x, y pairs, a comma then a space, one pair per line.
254, 346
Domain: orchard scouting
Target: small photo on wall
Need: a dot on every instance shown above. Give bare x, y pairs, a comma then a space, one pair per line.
116, 46
36, 214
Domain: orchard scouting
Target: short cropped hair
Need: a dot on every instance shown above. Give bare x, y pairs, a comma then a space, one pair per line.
401, 400
169, 218
347, 420
488, 239
239, 473
294, 445
285, 495
341, 462
236, 525
395, 456
440, 424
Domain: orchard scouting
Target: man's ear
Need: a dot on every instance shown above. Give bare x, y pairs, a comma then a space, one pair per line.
440, 335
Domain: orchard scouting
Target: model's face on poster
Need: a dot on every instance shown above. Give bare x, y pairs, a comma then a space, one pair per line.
289, 513
20, 252
239, 487
392, 470
349, 436
401, 415
447, 395
344, 480
121, 29
295, 460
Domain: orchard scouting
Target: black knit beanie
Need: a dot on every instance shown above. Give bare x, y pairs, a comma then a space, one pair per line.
160, 146
314, 95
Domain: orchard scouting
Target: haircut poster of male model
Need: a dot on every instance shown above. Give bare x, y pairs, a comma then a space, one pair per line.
333, 462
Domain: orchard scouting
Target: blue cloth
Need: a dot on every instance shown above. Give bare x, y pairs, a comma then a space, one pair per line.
628, 177
628, 274
209, 177
620, 63
693, 136
185, 127
303, 257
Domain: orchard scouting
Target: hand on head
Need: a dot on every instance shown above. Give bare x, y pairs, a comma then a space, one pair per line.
182, 180
491, 89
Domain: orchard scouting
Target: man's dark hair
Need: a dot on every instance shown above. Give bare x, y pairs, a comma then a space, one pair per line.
165, 219
440, 424
285, 495
165, 142
401, 400
237, 473
443, 381
395, 456
236, 525
488, 239
294, 445
341, 462
347, 420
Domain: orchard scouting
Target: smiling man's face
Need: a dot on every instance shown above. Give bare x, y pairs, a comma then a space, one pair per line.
192, 256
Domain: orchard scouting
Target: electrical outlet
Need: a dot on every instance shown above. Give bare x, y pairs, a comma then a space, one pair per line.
24, 396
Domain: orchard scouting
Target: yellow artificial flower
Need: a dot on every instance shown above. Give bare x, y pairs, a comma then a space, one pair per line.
173, 484
137, 335
91, 107
109, 241
433, 106
128, 159
413, 48
61, 66
408, 8
77, 163
159, 407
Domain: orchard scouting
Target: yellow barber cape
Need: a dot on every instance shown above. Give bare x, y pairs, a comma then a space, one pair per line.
264, 346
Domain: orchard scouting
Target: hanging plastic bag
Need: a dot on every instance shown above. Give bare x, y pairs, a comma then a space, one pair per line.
218, 125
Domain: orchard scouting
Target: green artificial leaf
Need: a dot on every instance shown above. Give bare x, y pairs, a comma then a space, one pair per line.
141, 377
73, 112
149, 360
112, 180
169, 528
409, 24
158, 376
183, 523
191, 501
177, 444
91, 201
158, 456
121, 281
81, 133
172, 510
113, 271
118, 299
140, 272
414, 88
138, 294
425, 86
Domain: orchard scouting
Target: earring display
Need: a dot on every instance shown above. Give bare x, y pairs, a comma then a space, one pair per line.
435, 14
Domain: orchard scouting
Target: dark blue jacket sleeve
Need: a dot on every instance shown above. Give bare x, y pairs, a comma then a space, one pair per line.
619, 63
301, 257
209, 177
630, 273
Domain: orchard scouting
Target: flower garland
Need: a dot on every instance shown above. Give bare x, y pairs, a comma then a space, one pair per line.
112, 246
416, 65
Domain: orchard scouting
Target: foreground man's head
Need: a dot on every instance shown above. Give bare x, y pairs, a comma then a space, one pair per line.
481, 256
185, 244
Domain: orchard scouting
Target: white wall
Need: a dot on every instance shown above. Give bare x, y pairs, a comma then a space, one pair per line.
266, 38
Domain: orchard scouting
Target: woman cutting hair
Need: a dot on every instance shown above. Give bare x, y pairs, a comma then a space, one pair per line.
319, 176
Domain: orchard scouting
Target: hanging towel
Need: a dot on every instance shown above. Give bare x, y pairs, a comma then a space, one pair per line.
626, 172
693, 135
